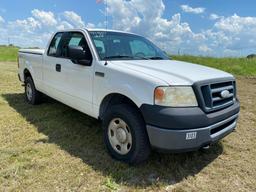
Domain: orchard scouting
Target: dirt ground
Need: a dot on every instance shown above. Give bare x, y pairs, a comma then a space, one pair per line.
52, 147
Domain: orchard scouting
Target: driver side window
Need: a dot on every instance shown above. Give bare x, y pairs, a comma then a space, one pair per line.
76, 39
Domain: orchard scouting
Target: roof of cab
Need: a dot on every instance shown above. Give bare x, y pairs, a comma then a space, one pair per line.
108, 30
98, 29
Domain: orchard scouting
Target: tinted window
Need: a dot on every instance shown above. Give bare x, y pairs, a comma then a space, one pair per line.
76, 39
73, 39
55, 45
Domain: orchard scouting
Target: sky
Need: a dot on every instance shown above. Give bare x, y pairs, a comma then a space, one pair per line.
199, 27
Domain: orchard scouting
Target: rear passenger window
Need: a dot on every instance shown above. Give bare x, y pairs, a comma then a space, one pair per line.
54, 46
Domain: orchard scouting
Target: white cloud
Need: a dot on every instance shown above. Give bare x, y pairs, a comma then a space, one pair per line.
241, 31
214, 16
27, 25
64, 25
146, 18
74, 19
227, 36
1, 19
188, 9
36, 30
46, 18
237, 24
90, 25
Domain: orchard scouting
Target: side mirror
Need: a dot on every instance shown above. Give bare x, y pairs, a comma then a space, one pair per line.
79, 56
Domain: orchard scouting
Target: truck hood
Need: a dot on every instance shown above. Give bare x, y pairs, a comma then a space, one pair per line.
173, 72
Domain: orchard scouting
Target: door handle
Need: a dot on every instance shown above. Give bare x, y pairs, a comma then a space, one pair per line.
99, 74
58, 67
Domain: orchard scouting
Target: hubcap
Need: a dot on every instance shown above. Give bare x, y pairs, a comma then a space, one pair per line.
120, 137
29, 92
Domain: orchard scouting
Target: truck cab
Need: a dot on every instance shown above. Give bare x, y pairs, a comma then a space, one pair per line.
144, 99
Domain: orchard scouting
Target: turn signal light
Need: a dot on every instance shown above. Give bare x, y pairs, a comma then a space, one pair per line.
159, 94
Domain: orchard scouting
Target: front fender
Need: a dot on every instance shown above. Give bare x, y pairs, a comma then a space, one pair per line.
136, 86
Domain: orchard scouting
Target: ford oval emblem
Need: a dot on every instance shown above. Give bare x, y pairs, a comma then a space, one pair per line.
225, 94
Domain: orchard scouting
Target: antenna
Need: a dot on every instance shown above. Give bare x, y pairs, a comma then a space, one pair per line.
106, 14
106, 31
106, 26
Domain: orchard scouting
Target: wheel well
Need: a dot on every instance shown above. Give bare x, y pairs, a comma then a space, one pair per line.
114, 99
27, 74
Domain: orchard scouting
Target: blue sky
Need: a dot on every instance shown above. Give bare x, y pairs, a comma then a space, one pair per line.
199, 27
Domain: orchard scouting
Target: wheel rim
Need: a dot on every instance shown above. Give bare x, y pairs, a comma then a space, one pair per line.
120, 137
29, 92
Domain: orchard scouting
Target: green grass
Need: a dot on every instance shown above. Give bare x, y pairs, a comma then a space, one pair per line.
236, 66
8, 53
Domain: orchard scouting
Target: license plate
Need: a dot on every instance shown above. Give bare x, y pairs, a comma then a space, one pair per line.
191, 135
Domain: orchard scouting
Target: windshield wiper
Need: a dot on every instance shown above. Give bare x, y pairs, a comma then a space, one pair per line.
156, 58
118, 57
125, 56
138, 57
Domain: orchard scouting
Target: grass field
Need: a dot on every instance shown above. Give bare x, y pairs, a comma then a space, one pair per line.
8, 53
52, 147
236, 66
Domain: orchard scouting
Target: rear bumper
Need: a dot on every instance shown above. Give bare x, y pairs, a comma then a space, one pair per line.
187, 129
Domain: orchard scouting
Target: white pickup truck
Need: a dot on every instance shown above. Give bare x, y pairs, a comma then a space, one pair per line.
145, 100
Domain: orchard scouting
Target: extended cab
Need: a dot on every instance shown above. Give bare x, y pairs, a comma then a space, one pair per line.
144, 99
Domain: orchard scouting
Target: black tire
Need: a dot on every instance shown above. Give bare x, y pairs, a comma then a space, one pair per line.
36, 96
140, 149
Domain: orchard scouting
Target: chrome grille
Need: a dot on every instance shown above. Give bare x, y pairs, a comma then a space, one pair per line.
218, 95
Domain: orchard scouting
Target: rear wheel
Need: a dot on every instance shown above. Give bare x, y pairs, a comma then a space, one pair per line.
33, 96
125, 134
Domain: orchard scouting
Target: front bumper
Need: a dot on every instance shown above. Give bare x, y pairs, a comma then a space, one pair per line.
181, 130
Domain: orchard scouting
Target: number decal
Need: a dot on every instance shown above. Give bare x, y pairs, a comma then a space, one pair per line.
191, 135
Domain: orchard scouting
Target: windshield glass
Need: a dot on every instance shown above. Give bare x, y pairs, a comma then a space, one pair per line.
123, 46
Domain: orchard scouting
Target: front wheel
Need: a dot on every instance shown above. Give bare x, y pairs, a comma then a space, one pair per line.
125, 134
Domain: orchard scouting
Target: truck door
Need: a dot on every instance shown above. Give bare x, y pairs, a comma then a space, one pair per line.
73, 82
51, 76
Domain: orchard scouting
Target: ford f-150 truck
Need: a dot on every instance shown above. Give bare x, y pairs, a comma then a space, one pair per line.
144, 99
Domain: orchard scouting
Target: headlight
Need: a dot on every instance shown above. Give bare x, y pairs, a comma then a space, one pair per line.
175, 96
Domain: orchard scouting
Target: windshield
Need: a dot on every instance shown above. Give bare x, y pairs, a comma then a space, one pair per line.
123, 46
